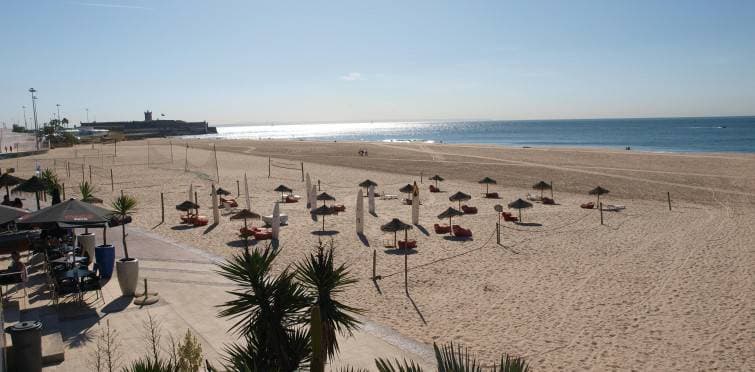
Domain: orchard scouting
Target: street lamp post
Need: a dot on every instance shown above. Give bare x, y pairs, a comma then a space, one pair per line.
87, 115
36, 125
26, 126
59, 122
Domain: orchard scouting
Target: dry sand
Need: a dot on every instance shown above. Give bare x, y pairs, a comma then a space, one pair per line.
651, 289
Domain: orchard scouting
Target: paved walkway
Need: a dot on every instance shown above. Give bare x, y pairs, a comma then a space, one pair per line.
189, 292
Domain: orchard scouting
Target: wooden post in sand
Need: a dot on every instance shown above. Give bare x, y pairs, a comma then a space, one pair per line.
68, 168
421, 176
498, 232
268, 167
302, 171
115, 153
112, 184
238, 188
374, 260
64, 191
82, 172
162, 208
90, 173
217, 169
196, 199
406, 274
668, 195
171, 151
600, 206
318, 185
186, 158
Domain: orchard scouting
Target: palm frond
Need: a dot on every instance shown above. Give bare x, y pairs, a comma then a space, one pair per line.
150, 365
384, 365
124, 205
457, 359
324, 281
511, 364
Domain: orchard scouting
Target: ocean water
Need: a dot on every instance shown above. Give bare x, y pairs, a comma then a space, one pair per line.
709, 134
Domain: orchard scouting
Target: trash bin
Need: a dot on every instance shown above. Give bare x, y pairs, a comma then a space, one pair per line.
27, 345
104, 255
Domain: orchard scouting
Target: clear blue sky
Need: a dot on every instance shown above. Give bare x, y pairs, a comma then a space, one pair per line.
244, 61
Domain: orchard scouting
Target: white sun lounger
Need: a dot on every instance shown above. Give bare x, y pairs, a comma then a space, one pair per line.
614, 207
388, 197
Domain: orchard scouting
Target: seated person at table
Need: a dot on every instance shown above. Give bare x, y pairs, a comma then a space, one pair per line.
17, 203
16, 267
6, 201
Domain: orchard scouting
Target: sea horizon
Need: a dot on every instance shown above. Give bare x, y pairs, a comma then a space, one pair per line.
711, 134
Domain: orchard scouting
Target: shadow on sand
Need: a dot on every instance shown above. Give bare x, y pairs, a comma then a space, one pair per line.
363, 239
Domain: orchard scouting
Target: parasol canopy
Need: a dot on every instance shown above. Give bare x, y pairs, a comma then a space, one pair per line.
325, 197
406, 189
8, 179
520, 204
598, 191
187, 206
245, 214
283, 188
542, 185
367, 183
34, 184
450, 213
395, 226
70, 213
322, 210
436, 178
487, 181
222, 192
459, 197
8, 214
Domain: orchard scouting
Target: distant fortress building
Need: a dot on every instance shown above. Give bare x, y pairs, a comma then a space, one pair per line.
153, 128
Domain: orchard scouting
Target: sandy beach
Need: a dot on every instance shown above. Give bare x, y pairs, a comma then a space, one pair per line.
650, 289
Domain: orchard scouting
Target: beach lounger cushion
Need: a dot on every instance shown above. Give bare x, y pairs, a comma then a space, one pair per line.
461, 232
442, 228
492, 195
407, 244
589, 205
468, 209
434, 189
548, 201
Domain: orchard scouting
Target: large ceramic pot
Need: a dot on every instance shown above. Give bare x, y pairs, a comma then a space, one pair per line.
105, 257
86, 240
128, 275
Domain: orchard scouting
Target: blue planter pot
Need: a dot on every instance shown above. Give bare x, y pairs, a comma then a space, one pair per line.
104, 255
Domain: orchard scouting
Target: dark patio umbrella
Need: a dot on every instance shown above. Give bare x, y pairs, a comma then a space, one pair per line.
459, 197
598, 191
323, 211
222, 192
35, 185
407, 189
542, 185
325, 197
245, 214
395, 226
187, 206
520, 204
487, 181
450, 213
436, 178
7, 180
366, 184
8, 214
70, 213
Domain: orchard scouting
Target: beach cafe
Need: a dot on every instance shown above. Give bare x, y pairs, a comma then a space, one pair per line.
54, 247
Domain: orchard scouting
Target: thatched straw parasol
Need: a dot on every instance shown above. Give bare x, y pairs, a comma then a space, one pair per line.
323, 211
325, 197
395, 226
283, 189
187, 206
520, 204
7, 180
459, 197
450, 213
436, 178
407, 189
366, 184
598, 191
222, 192
35, 185
245, 214
542, 185
487, 181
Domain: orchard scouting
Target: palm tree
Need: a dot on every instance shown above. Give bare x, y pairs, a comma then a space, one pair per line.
269, 309
87, 191
122, 207
323, 281
50, 179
